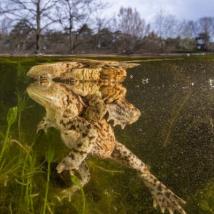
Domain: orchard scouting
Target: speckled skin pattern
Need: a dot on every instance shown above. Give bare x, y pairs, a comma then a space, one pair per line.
80, 98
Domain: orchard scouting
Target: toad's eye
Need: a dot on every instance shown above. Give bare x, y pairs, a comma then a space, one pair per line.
43, 79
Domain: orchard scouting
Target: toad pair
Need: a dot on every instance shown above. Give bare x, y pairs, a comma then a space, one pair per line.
80, 98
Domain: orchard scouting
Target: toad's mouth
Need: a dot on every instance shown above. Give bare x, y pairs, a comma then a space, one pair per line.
40, 94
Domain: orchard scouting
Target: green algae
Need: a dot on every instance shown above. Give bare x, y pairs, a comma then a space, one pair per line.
205, 198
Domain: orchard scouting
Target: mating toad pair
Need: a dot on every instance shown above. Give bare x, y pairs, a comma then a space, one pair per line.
80, 98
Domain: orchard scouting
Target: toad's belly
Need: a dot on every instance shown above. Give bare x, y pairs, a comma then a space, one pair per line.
105, 142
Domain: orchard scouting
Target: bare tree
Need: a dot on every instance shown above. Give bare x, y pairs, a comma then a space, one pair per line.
130, 22
21, 37
188, 29
130, 28
5, 25
103, 33
204, 32
206, 25
83, 37
4, 34
166, 26
40, 14
73, 13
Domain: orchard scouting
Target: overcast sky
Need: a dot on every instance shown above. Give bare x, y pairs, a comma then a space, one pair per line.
183, 9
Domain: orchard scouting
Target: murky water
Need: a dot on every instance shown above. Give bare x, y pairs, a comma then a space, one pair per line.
174, 136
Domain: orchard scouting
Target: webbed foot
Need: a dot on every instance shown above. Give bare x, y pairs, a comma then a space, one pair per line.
66, 165
66, 194
162, 196
122, 113
44, 124
82, 178
165, 199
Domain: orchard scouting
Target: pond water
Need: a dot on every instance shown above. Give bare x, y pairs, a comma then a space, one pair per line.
174, 136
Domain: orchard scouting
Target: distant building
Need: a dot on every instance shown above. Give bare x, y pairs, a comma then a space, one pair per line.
202, 41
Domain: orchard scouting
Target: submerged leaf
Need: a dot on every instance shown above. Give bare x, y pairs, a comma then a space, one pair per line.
12, 115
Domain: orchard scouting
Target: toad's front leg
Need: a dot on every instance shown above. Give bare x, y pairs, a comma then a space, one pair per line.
81, 148
162, 196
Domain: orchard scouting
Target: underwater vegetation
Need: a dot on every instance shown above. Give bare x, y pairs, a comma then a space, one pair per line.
5, 167
205, 198
170, 105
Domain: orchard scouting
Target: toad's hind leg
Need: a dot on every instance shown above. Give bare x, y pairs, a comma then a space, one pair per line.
83, 175
74, 159
162, 196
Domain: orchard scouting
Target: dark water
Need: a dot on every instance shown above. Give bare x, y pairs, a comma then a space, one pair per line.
174, 137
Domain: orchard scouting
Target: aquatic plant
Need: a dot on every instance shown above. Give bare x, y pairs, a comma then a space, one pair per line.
111, 171
205, 198
28, 172
76, 182
21, 106
176, 115
11, 165
49, 157
11, 119
24, 177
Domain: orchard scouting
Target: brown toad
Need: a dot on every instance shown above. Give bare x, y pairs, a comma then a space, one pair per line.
97, 81
103, 98
84, 136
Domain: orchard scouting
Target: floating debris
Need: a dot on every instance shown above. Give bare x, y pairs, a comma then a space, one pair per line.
145, 81
211, 83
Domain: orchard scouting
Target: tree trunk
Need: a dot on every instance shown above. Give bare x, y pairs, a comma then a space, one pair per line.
37, 42
70, 34
38, 26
